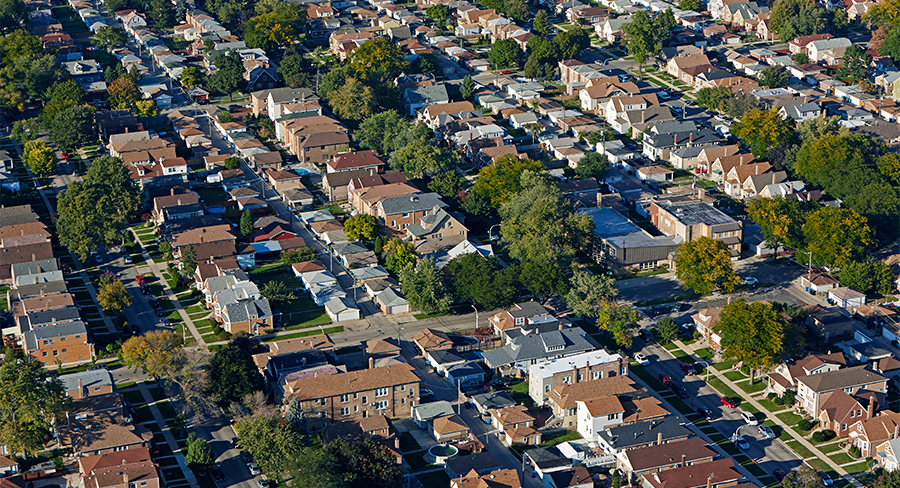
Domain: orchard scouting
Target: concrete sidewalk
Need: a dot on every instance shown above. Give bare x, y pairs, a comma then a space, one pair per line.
170, 439
691, 349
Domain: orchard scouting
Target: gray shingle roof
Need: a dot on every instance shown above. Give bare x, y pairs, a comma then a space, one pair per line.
426, 94
433, 410
390, 298
89, 379
532, 347
47, 332
48, 316
842, 378
494, 399
413, 203
34, 267
347, 248
626, 436
429, 222
248, 309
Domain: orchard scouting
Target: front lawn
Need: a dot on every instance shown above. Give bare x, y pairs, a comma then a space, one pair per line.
554, 438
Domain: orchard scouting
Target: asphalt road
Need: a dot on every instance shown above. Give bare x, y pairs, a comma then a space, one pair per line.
768, 454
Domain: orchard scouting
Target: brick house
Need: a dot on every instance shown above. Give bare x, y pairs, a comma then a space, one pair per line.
873, 432
250, 316
391, 391
64, 342
516, 426
842, 410
813, 390
131, 468
398, 213
651, 459
322, 146
785, 375
356, 160
594, 365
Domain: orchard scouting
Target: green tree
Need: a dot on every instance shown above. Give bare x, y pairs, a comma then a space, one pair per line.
803, 477
377, 58
794, 18
645, 36
229, 75
801, 58
274, 444
232, 162
422, 287
387, 131
158, 353
422, 157
618, 320
447, 183
31, 401
199, 455
667, 330
282, 26
750, 332
233, 374
589, 292
398, 254
540, 225
277, 292
35, 73
298, 255
516, 9
695, 5
780, 220
188, 261
704, 265
774, 77
110, 36
246, 225
192, 77
359, 465
162, 13
498, 181
354, 101
819, 127
836, 236
166, 249
543, 279
361, 226
73, 128
476, 205
763, 130
505, 53
854, 65
296, 70
467, 88
39, 157
571, 42
13, 14
19, 43
592, 165
114, 297
480, 280
541, 25
438, 13
714, 98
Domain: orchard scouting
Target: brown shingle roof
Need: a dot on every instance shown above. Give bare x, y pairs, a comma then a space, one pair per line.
356, 381
567, 395
694, 476
693, 449
448, 424
431, 339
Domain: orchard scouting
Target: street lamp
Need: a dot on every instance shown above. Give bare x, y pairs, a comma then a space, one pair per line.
707, 369
476, 317
491, 232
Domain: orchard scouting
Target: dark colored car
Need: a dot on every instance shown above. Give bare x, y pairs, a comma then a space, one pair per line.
729, 402
678, 390
706, 413
688, 368
160, 313
217, 475
779, 474
153, 302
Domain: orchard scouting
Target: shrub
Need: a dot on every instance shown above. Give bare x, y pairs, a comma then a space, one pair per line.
854, 451
823, 435
807, 424
696, 335
771, 396
777, 401
788, 397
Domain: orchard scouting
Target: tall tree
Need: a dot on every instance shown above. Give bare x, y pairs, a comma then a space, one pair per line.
13, 14
282, 26
439, 13
447, 183
158, 353
773, 77
422, 157
192, 77
398, 254
354, 101
199, 455
467, 88
422, 287
500, 180
229, 75
110, 36
188, 261
836, 236
73, 128
361, 226
541, 25
704, 265
480, 280
246, 225
505, 53
750, 332
377, 58
162, 13
123, 93
31, 402
763, 130
794, 18
645, 36
113, 296
572, 42
589, 292
780, 220
233, 374
592, 165
855, 64
275, 446
39, 157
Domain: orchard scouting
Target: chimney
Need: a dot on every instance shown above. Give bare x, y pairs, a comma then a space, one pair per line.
709, 481
676, 139
644, 117
201, 239
172, 192
80, 388
870, 412
303, 362
691, 140
42, 293
53, 320
773, 178
33, 257
371, 362
682, 460
659, 438
896, 431
757, 169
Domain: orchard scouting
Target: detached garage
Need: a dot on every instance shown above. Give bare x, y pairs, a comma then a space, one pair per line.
390, 302
340, 309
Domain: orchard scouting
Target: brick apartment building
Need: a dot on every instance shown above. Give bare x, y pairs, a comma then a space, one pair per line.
67, 343
390, 391
322, 146
691, 220
400, 212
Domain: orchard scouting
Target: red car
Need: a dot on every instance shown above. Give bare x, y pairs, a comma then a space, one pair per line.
66, 155
688, 369
729, 402
140, 279
505, 72
665, 379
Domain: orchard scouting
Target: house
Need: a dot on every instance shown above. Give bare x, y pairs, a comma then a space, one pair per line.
655, 174
515, 426
813, 390
873, 433
547, 460
577, 477
437, 223
398, 213
522, 316
367, 160
594, 365
498, 478
431, 340
785, 375
651, 459
393, 390
485, 402
420, 97
526, 350
132, 467
846, 298
466, 374
341, 309
252, 315
801, 111
843, 409
818, 282
705, 322
633, 436
829, 324
449, 428
59, 342
712, 474
798, 45
820, 50
424, 413
322, 146
391, 303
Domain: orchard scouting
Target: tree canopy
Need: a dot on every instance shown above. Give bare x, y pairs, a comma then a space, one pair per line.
158, 353
233, 374
750, 332
361, 226
763, 130
592, 165
112, 295
704, 265
422, 287
589, 292
377, 58
836, 236
781, 220
854, 65
31, 400
480, 280
39, 157
229, 75
505, 53
498, 181
645, 37
795, 18
280, 27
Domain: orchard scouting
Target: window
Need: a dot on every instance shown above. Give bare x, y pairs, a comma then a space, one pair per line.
355, 408
55, 352
567, 380
45, 353
78, 336
546, 388
63, 351
403, 401
364, 400
345, 398
612, 416
402, 387
381, 405
598, 375
852, 414
844, 427
381, 392
355, 395
62, 339
48, 342
345, 411
323, 401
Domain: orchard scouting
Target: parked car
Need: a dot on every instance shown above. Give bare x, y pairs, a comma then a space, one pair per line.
217, 474
665, 379
826, 480
729, 402
766, 431
742, 443
705, 413
140, 279
749, 280
261, 483
254, 469
246, 456
128, 259
779, 474
749, 418
424, 393
160, 313
641, 359
688, 368
680, 391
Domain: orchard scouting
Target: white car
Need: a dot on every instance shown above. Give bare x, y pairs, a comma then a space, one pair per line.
766, 431
254, 469
742, 443
749, 418
641, 359
750, 280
